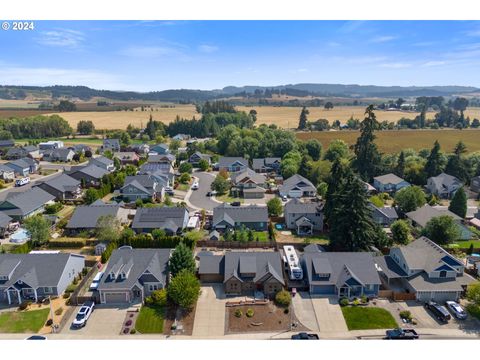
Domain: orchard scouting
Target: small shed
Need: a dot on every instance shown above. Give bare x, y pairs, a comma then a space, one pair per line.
100, 248
214, 235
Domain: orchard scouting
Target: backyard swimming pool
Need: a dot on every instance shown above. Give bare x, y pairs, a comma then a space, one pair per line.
20, 236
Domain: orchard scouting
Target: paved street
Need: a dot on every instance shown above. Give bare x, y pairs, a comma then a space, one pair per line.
4, 193
210, 313
198, 198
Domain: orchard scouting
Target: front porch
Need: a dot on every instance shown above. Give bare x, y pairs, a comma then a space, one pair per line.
17, 295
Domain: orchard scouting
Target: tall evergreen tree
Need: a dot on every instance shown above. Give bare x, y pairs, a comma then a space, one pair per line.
433, 167
456, 165
367, 156
337, 174
400, 168
181, 259
305, 167
303, 120
458, 205
351, 225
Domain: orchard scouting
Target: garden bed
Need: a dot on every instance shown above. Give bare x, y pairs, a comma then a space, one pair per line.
184, 318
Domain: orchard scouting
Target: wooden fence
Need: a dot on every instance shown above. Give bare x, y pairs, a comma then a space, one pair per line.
385, 294
396, 296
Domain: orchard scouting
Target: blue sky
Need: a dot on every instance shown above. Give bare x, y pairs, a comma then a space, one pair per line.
146, 55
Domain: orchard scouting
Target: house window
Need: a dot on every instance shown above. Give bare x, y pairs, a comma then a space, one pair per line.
153, 287
443, 274
48, 290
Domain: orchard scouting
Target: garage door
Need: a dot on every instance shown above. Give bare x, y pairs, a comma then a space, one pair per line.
440, 296
322, 289
115, 298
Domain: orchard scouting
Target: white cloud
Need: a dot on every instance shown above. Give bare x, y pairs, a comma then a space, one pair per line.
14, 75
382, 39
208, 48
396, 65
61, 38
150, 51
434, 63
473, 33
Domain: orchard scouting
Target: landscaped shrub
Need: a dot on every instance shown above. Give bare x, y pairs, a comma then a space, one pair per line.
405, 314
24, 305
283, 298
364, 299
356, 302
69, 243
49, 322
286, 311
66, 295
158, 297
344, 302
133, 331
250, 313
59, 311
238, 313
126, 330
70, 288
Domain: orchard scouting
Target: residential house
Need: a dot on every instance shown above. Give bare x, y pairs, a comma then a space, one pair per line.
7, 174
181, 137
20, 205
423, 215
384, 215
63, 187
248, 184
103, 162
36, 276
475, 184
252, 217
443, 186
90, 175
243, 273
140, 149
23, 166
85, 218
264, 165
195, 158
22, 152
5, 224
6, 144
58, 155
304, 217
159, 170
80, 148
161, 159
50, 145
297, 186
112, 145
344, 274
424, 269
232, 164
127, 157
389, 183
145, 187
159, 149
133, 274
171, 219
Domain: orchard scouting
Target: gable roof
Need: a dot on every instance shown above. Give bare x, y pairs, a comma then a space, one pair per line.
136, 262
21, 163
63, 183
238, 176
170, 158
35, 270
239, 214
343, 266
444, 180
144, 182
389, 179
424, 214
27, 201
111, 142
226, 161
91, 170
4, 220
297, 180
387, 211
86, 216
296, 206
102, 160
171, 218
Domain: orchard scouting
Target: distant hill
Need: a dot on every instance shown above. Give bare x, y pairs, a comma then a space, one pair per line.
191, 95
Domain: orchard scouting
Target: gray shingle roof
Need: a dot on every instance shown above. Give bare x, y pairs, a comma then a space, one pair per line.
424, 214
343, 265
240, 214
171, 218
297, 181
63, 183
86, 217
389, 179
27, 201
445, 180
247, 174
101, 159
259, 263
296, 206
4, 220
137, 262
91, 170
226, 161
35, 270
211, 264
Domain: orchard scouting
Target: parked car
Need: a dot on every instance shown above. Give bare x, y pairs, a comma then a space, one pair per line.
96, 281
211, 193
235, 203
195, 186
284, 198
83, 314
169, 191
22, 181
305, 336
439, 311
456, 310
36, 337
401, 334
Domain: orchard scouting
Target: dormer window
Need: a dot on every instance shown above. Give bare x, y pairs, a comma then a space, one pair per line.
112, 276
3, 277
123, 276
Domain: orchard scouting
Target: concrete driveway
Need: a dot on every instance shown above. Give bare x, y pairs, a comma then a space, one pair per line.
210, 312
104, 322
329, 314
198, 198
304, 311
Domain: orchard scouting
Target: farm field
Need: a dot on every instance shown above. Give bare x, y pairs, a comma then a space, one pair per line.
392, 141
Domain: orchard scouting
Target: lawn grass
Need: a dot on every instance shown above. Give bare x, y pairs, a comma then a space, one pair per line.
150, 320
321, 239
465, 244
227, 198
364, 318
23, 321
261, 235
183, 187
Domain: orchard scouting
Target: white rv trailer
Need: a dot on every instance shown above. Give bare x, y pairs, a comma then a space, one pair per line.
294, 268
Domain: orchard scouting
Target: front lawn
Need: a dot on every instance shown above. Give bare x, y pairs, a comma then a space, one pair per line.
228, 199
364, 318
465, 244
23, 321
150, 320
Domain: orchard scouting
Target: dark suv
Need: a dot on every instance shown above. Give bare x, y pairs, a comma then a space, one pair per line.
439, 311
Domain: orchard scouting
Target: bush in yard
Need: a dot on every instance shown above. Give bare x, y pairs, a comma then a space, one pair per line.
66, 295
159, 297
363, 299
238, 313
405, 314
283, 298
184, 289
356, 302
184, 178
59, 311
49, 322
133, 331
185, 167
344, 302
250, 313
24, 305
473, 294
274, 206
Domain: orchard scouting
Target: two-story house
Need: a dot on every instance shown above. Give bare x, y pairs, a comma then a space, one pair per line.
304, 217
264, 165
63, 187
145, 187
297, 186
232, 164
443, 186
389, 183
248, 184
424, 269
103, 162
112, 145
